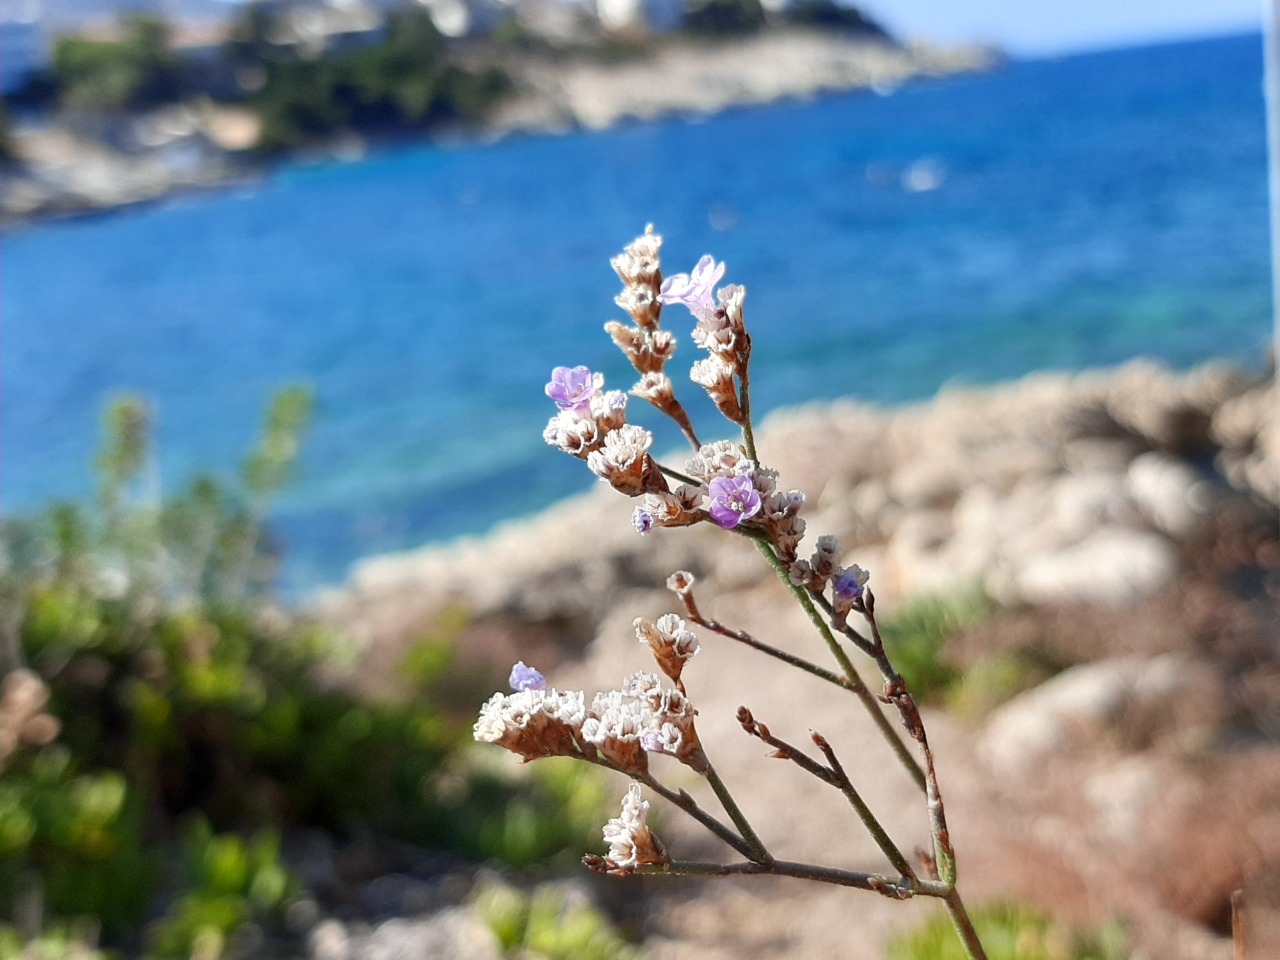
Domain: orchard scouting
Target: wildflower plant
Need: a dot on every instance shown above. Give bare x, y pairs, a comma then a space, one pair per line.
722, 483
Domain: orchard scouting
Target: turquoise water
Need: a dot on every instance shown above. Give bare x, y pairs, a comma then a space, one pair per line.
1084, 211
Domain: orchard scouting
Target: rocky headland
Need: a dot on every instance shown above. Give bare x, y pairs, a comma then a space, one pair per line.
699, 77
71, 168
1125, 523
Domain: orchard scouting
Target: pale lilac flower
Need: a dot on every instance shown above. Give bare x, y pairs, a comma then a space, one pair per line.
733, 499
573, 387
642, 520
526, 678
694, 290
848, 584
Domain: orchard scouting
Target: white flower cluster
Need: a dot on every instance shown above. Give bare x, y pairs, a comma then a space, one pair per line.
533, 723
623, 459
642, 718
622, 726
631, 843
671, 641
646, 345
822, 569
580, 432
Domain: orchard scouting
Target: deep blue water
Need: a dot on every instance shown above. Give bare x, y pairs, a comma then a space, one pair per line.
1089, 210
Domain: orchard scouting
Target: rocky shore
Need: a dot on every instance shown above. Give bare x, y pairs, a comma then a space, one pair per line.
684, 76
67, 170
1124, 521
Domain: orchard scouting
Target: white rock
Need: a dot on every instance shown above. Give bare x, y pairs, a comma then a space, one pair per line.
1170, 493
1079, 702
455, 934
1111, 567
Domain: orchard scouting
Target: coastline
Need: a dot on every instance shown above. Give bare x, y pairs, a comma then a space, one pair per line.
69, 174
1055, 489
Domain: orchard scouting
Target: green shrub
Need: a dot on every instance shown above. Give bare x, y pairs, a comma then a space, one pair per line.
545, 923
229, 881
408, 80
137, 70
724, 17
916, 635
186, 694
63, 942
1010, 932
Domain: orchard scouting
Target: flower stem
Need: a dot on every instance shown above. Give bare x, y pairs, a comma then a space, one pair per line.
744, 401
758, 852
873, 825
690, 806
964, 926
896, 692
897, 888
900, 749
691, 610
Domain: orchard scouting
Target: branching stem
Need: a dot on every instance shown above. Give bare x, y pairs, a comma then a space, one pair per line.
695, 616
897, 888
869, 700
757, 852
690, 806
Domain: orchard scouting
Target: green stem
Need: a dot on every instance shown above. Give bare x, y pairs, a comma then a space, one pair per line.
758, 852
690, 806
900, 749
964, 926
873, 825
897, 887
677, 475
748, 640
744, 401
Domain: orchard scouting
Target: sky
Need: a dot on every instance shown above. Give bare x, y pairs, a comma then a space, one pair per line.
1040, 27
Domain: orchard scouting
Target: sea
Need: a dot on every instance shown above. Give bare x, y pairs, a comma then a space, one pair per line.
1052, 214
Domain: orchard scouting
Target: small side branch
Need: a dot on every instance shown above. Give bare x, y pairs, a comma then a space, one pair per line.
682, 800
756, 848
676, 411
896, 693
835, 776
857, 686
695, 616
896, 888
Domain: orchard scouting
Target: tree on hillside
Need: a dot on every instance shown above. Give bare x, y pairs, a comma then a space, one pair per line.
829, 14
724, 17
137, 70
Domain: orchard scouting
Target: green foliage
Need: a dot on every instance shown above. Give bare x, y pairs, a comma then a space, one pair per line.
998, 677
829, 15
1011, 932
724, 17
62, 942
229, 882
916, 640
137, 70
547, 924
407, 81
8, 150
185, 694
915, 637
77, 834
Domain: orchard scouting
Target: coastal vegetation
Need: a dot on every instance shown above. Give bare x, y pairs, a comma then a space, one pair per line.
409, 80
137, 70
165, 723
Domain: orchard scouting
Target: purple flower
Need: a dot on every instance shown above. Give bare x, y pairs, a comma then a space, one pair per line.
733, 499
526, 678
694, 290
849, 584
642, 520
572, 388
